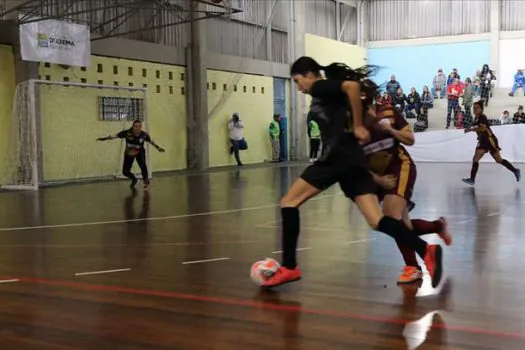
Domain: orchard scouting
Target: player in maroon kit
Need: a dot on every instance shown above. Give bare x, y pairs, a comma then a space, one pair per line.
387, 159
487, 143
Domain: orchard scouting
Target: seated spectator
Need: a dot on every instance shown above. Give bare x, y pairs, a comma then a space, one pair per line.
427, 99
505, 118
413, 102
459, 118
400, 99
439, 84
519, 82
519, 116
387, 99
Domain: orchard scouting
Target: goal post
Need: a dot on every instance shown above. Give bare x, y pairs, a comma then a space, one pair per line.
53, 130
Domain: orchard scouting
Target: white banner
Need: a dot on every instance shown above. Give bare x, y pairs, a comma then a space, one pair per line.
456, 146
56, 42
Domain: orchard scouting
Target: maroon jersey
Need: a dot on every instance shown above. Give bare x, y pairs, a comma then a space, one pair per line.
383, 150
485, 133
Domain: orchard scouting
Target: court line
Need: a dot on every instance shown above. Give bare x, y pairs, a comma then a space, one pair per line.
260, 305
100, 272
308, 228
298, 249
171, 217
360, 241
493, 214
9, 281
465, 221
203, 261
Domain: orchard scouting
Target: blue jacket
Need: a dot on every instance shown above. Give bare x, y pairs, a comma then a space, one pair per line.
519, 79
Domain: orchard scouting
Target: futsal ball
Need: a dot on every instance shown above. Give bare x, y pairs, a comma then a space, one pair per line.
263, 269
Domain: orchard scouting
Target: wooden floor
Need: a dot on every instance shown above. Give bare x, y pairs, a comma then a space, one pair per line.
94, 266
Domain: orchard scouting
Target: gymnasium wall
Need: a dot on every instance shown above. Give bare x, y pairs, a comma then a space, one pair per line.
7, 90
72, 114
252, 98
327, 51
416, 65
511, 53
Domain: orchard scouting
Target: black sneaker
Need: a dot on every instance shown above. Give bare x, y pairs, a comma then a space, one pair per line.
133, 183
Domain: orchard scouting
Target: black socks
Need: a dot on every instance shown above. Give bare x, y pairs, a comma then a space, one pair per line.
397, 230
290, 236
474, 170
507, 165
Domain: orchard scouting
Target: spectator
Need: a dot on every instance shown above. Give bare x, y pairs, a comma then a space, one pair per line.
519, 116
468, 98
413, 102
452, 76
427, 99
392, 86
387, 99
505, 118
400, 99
453, 93
477, 82
275, 132
235, 126
519, 82
439, 84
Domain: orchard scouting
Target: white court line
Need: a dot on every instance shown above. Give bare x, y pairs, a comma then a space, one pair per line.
465, 221
298, 249
9, 281
203, 261
493, 214
171, 217
100, 272
360, 241
307, 228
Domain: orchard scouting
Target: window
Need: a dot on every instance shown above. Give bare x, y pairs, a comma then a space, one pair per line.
182, 76
130, 71
66, 78
101, 82
144, 72
253, 89
225, 87
170, 75
100, 69
244, 88
213, 86
158, 74
158, 89
83, 80
47, 65
171, 90
115, 70
182, 91
83, 69
115, 83
130, 84
262, 90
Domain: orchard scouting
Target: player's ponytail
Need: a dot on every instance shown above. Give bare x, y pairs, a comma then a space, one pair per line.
340, 71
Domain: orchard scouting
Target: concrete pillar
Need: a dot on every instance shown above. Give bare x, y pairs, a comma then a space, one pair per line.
495, 9
269, 9
298, 135
197, 94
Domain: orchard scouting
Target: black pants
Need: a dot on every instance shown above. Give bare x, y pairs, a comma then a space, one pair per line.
128, 163
314, 148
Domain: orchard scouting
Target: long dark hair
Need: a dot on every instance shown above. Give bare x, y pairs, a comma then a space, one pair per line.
340, 71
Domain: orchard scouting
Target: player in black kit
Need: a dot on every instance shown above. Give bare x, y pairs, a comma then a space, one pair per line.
135, 139
342, 99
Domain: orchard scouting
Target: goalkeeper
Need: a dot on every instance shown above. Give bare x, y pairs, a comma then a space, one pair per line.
135, 139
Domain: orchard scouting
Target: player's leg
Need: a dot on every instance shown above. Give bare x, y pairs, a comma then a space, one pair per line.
141, 161
313, 181
480, 152
361, 188
126, 170
497, 157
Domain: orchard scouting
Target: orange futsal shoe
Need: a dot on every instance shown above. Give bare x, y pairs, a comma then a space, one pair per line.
410, 274
434, 262
445, 233
282, 276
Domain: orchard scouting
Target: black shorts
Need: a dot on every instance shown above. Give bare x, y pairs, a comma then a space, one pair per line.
346, 165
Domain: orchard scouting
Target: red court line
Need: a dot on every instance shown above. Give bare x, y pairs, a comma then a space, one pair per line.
255, 304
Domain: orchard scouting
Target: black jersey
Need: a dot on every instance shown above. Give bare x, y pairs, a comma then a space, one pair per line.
134, 144
331, 110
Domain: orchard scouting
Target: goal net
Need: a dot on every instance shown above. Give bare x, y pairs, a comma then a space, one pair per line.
54, 127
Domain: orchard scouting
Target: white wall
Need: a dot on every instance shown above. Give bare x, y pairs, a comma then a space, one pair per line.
511, 57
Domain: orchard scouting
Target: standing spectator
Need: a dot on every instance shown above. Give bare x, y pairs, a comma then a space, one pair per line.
427, 99
453, 93
439, 84
477, 82
275, 132
314, 133
235, 126
468, 99
413, 102
487, 76
519, 82
392, 86
452, 76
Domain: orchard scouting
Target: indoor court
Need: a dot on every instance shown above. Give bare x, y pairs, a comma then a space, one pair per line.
96, 266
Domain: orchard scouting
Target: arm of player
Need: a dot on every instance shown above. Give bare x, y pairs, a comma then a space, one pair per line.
405, 135
109, 137
160, 149
352, 89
